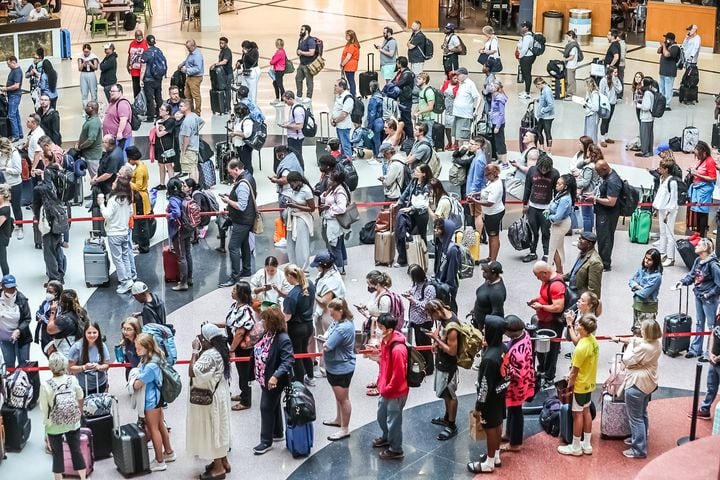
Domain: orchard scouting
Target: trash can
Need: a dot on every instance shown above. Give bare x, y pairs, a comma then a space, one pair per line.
553, 26
581, 23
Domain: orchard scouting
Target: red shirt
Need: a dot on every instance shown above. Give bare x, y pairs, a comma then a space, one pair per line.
135, 51
706, 168
392, 379
557, 291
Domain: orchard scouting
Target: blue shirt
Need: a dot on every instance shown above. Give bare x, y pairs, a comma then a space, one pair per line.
340, 341
194, 64
15, 76
305, 45
151, 376
476, 174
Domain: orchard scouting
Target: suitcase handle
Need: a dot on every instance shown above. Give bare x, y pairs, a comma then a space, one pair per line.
371, 55
327, 123
687, 300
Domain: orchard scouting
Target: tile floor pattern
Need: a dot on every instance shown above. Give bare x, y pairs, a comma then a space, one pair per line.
263, 22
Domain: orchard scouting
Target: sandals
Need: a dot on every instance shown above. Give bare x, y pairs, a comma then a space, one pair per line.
439, 421
478, 467
338, 436
447, 433
211, 465
371, 385
372, 392
239, 407
330, 423
506, 447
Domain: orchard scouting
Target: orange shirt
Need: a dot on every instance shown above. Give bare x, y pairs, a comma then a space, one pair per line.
354, 51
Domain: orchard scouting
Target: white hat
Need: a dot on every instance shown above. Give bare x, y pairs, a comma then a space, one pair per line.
138, 288
210, 331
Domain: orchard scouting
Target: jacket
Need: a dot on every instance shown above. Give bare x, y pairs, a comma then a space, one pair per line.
641, 363
611, 93
706, 277
560, 208
117, 216
392, 378
588, 275
546, 104
476, 180
25, 318
649, 283
405, 80
497, 109
174, 210
280, 360
374, 109
450, 266
50, 123
412, 189
108, 70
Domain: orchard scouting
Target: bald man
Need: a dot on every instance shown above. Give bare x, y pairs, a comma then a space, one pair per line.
193, 67
549, 306
607, 210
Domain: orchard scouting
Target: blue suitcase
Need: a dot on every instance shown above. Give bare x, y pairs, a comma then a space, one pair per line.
299, 439
566, 424
65, 47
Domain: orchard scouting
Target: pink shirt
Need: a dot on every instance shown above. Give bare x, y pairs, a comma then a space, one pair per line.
111, 122
278, 60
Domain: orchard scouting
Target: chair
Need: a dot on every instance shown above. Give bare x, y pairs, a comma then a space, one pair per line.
145, 10
98, 25
89, 17
190, 13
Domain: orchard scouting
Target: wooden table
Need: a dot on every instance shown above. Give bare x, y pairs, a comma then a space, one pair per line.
117, 10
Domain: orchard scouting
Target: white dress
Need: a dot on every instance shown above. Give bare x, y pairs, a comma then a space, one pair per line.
208, 426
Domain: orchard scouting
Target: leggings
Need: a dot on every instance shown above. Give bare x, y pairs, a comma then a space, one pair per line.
300, 333
515, 425
3, 260
56, 446
278, 84
605, 122
16, 202
545, 131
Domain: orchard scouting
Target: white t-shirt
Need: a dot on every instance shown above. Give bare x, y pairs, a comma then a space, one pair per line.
35, 15
465, 98
453, 42
493, 192
573, 63
261, 278
330, 282
492, 45
343, 103
244, 126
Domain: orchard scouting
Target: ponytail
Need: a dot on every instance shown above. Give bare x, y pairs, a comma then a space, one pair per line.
297, 273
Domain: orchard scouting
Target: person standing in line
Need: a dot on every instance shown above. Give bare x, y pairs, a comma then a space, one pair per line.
141, 198
49, 120
404, 79
647, 121
135, 50
449, 90
521, 371
467, 101
241, 212
613, 53
193, 66
586, 272
88, 63
490, 296
151, 81
278, 62
539, 190
248, 65
225, 60
298, 308
178, 234
349, 60
586, 178
491, 48
713, 377
388, 54
299, 208
117, 213
340, 117
417, 48
307, 51
558, 215
669, 52
666, 204
15, 318
526, 56
645, 286
420, 293
571, 55
545, 112
189, 137
621, 64
13, 90
497, 118
242, 129
116, 121
451, 48
11, 168
607, 210
108, 69
691, 46
591, 107
704, 177
294, 124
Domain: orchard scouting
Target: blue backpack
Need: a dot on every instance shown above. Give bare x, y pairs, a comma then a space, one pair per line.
158, 64
165, 340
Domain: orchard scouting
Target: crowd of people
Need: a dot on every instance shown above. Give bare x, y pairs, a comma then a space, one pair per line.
279, 310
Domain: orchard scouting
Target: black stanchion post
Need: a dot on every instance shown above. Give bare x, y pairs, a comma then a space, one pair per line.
696, 401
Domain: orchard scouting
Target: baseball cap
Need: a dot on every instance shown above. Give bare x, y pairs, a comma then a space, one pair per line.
691, 26
322, 258
589, 236
663, 147
138, 288
9, 281
462, 71
150, 39
670, 35
450, 26
526, 24
109, 45
385, 147
493, 267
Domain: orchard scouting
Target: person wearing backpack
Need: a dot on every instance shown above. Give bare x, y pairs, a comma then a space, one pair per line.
151, 379
151, 76
611, 87
117, 213
189, 139
153, 308
572, 56
646, 117
444, 205
526, 57
295, 124
307, 52
666, 204
242, 130
492, 200
180, 234
51, 215
669, 52
426, 101
417, 46
118, 118
340, 116
392, 385
447, 258
61, 404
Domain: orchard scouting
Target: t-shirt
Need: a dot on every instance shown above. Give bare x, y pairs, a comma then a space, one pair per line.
151, 376
613, 49
572, 64
108, 164
240, 316
489, 300
135, 51
585, 359
191, 128
609, 187
244, 126
668, 65
111, 120
89, 380
7, 227
421, 152
340, 340
343, 103
301, 196
391, 45
15, 76
493, 192
452, 42
298, 305
226, 54
296, 115
425, 96
557, 291
417, 54
147, 58
306, 44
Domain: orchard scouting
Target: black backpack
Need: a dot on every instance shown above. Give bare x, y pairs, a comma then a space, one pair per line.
628, 199
571, 296
358, 110
406, 177
658, 105
178, 79
309, 128
550, 416
130, 21
682, 189
134, 117
351, 175
416, 365
367, 233
538, 47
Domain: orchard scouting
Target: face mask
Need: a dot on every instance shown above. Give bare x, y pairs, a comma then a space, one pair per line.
371, 289
49, 297
378, 333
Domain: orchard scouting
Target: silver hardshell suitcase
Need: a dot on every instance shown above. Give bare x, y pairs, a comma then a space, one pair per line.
96, 262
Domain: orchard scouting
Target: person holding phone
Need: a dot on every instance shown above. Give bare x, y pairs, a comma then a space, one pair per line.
269, 284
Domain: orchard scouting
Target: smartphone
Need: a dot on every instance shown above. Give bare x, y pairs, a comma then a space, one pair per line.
425, 330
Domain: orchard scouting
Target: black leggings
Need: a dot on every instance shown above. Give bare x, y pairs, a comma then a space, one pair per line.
245, 375
544, 128
16, 202
3, 260
515, 425
56, 446
300, 333
605, 122
278, 84
526, 64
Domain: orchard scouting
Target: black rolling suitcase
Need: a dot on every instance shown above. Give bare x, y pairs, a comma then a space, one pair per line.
438, 136
219, 102
677, 323
218, 79
323, 135
688, 95
223, 153
17, 428
686, 251
364, 78
715, 141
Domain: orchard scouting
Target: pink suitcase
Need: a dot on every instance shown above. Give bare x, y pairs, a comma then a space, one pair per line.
85, 448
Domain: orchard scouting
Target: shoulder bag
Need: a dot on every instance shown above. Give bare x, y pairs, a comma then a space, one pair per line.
258, 226
202, 396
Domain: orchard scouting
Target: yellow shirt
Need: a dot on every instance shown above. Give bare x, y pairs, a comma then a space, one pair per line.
139, 183
585, 359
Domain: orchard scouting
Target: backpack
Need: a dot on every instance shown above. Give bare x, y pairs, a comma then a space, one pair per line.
358, 110
571, 296
470, 342
457, 175
434, 161
258, 136
467, 263
134, 116
171, 383
130, 21
538, 47
457, 214
550, 416
463, 48
18, 390
319, 47
406, 177
682, 189
680, 60
658, 105
415, 365
68, 162
628, 200
519, 234
164, 338
65, 409
158, 64
442, 290
603, 106
309, 128
351, 175
212, 201
397, 308
429, 49
367, 233
66, 185
190, 217
178, 79
439, 105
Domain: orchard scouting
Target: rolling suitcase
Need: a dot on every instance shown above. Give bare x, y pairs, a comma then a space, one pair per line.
688, 95
472, 243
417, 252
715, 141
677, 323
614, 422
206, 171
86, 436
130, 450
566, 423
171, 266
686, 251
65, 46
223, 154
17, 428
219, 102
218, 79
96, 262
690, 137
438, 136
321, 140
364, 78
299, 439
101, 428
384, 248
640, 225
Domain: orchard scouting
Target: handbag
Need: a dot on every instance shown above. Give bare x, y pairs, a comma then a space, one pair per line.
477, 432
350, 216
258, 226
483, 126
597, 69
202, 396
289, 67
483, 58
316, 65
299, 404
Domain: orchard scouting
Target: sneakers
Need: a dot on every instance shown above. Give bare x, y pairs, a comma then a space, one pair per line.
701, 414
668, 262
530, 257
310, 382
630, 454
524, 96
169, 457
609, 140
586, 450
156, 466
20, 234
628, 441
390, 455
570, 450
261, 448
282, 243
124, 288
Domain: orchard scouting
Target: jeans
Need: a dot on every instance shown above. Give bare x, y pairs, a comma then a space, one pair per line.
539, 227
53, 256
547, 362
665, 85
153, 97
14, 115
605, 225
245, 155
389, 418
239, 248
56, 446
296, 144
666, 221
526, 64
713, 379
15, 355
300, 333
705, 310
377, 128
106, 90
636, 402
338, 252
183, 249
406, 117
302, 73
131, 255
271, 421
345, 145
120, 254
515, 425
245, 375
588, 217
350, 77
88, 85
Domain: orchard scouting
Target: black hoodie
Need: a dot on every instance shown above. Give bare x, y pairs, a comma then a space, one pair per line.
108, 70
491, 379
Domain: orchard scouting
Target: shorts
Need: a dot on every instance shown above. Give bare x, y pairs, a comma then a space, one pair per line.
450, 123
388, 71
446, 384
493, 223
462, 128
188, 161
342, 381
493, 414
581, 401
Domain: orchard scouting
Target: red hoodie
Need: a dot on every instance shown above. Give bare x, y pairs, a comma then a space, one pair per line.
392, 379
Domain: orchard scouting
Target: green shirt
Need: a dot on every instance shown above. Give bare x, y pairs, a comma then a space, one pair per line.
90, 140
425, 96
47, 401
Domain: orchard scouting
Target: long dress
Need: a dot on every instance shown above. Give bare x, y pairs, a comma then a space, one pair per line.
208, 426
